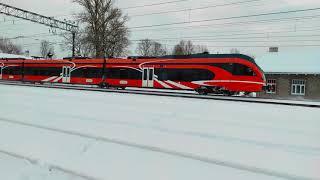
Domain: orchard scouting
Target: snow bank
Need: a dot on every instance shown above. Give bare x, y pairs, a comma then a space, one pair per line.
121, 136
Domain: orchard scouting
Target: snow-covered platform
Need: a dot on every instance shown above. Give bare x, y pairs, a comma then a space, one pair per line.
65, 134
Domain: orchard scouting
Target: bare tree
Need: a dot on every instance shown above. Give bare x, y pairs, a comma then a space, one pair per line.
104, 27
144, 47
201, 49
82, 47
44, 48
158, 49
147, 47
183, 48
188, 48
6, 46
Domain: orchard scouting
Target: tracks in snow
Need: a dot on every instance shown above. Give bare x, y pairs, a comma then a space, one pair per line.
50, 166
213, 161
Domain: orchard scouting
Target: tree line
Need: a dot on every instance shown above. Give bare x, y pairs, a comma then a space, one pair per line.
148, 47
7, 46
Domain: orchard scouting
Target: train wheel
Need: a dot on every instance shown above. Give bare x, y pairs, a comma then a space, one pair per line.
231, 93
104, 85
202, 91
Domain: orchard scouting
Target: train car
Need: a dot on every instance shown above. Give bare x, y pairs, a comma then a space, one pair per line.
204, 73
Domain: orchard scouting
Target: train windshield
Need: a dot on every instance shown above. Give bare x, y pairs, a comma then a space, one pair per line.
242, 70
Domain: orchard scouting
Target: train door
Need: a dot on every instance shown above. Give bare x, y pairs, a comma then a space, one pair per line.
66, 74
148, 77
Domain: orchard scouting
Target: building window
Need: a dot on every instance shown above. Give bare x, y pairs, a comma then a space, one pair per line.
298, 87
272, 84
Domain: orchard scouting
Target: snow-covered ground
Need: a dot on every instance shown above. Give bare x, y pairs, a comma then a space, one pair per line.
64, 134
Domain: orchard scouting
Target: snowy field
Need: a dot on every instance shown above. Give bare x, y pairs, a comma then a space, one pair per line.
53, 134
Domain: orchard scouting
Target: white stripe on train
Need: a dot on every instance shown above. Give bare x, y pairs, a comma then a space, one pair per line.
226, 81
163, 84
49, 79
178, 85
58, 79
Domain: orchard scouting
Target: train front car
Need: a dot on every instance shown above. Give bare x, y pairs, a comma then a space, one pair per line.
234, 73
205, 73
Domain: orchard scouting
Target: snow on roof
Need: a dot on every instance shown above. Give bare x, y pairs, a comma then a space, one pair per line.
4, 55
304, 62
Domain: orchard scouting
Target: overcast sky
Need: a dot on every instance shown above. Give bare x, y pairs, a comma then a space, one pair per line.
249, 35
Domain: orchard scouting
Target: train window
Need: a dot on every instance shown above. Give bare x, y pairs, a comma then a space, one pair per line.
116, 73
78, 73
162, 74
40, 71
242, 70
151, 71
236, 69
226, 66
134, 74
145, 74
186, 75
113, 73
12, 70
124, 74
87, 73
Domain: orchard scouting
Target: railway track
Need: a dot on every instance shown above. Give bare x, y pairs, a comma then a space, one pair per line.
49, 166
168, 93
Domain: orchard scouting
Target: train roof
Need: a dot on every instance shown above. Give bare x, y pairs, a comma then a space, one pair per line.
202, 55
138, 59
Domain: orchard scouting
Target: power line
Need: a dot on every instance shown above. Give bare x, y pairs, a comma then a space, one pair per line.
264, 46
196, 38
154, 4
215, 46
232, 38
264, 31
228, 18
296, 18
256, 41
255, 46
199, 8
307, 29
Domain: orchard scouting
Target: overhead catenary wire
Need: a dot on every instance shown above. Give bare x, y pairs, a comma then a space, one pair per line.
296, 18
221, 46
226, 40
268, 33
228, 18
130, 7
230, 34
154, 4
199, 8
232, 38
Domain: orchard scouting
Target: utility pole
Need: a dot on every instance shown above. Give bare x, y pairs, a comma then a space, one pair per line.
37, 18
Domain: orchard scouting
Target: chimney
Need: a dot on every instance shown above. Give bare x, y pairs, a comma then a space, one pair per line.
273, 49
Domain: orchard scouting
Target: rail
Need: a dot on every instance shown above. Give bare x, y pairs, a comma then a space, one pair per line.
168, 93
